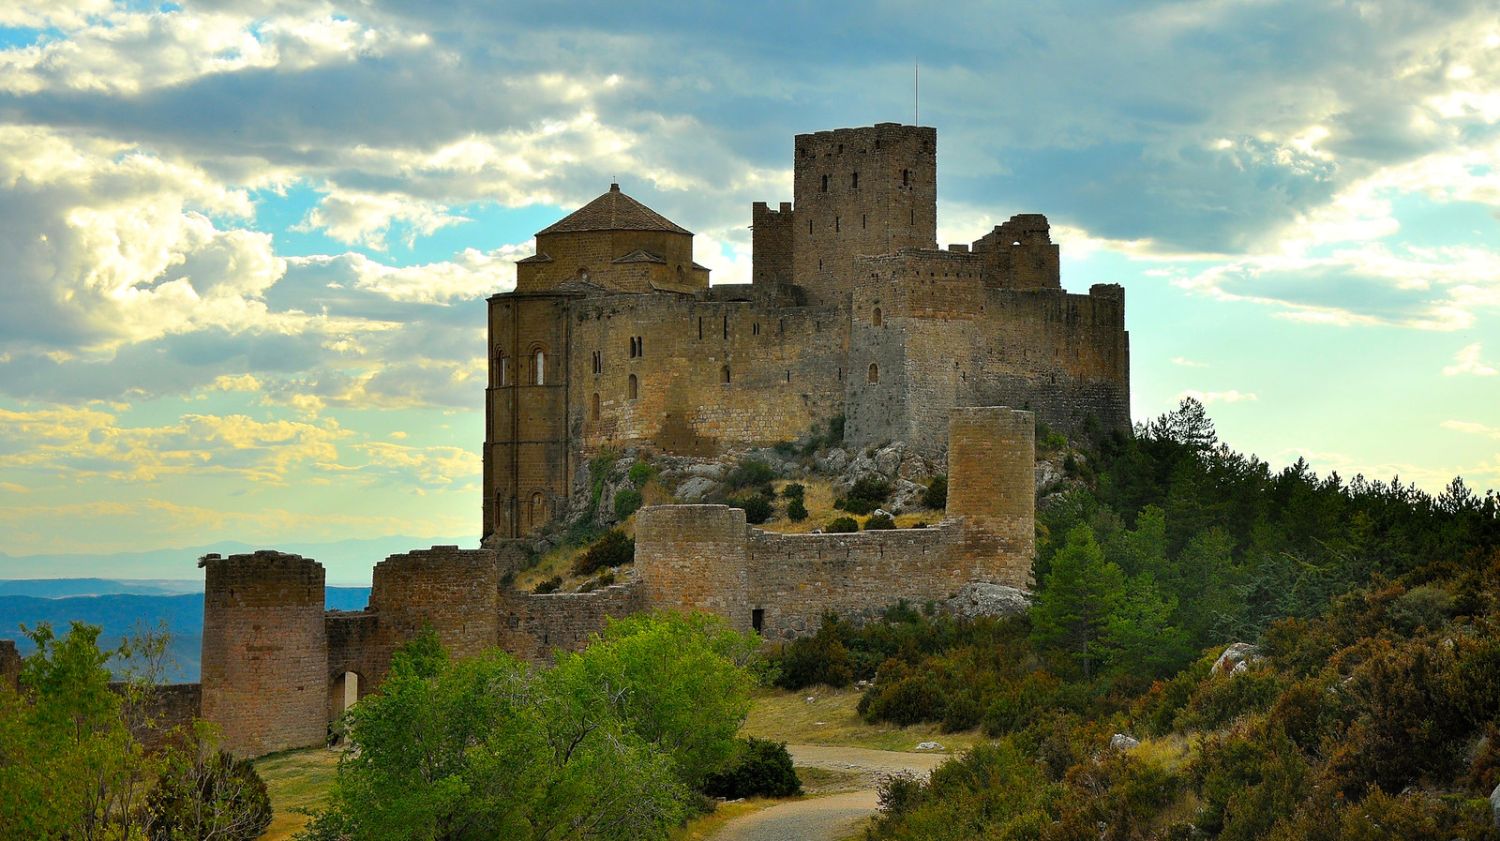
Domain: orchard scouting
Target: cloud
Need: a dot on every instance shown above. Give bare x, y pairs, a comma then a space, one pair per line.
1209, 397
1188, 363
1472, 428
1467, 361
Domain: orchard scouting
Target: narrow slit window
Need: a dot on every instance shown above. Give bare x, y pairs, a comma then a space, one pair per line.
595, 407
700, 328
824, 188
854, 181
726, 326
504, 370
874, 373
539, 365
633, 387
724, 375
835, 224
906, 178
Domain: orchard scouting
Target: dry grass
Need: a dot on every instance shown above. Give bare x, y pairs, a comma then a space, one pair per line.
707, 826
819, 499
559, 561
296, 780
831, 719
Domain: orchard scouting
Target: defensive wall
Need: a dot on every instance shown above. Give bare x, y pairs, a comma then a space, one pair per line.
278, 667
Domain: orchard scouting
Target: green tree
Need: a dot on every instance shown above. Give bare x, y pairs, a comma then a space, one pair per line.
1140, 637
1081, 594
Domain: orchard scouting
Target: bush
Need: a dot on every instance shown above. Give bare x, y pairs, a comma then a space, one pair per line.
856, 506
749, 474
936, 495
794, 491
626, 503
551, 585
842, 525
612, 550
880, 522
757, 508
796, 511
213, 797
760, 768
872, 489
640, 473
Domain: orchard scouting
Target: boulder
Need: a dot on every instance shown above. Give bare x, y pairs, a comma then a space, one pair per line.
1122, 742
907, 496
1237, 658
833, 462
711, 470
929, 746
1495, 804
695, 488
888, 460
980, 599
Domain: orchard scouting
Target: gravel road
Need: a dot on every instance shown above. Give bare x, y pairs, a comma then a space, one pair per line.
834, 816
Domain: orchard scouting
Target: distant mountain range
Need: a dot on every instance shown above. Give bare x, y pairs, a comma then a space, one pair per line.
120, 608
348, 562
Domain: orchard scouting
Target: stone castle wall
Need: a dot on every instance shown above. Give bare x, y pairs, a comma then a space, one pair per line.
534, 625
264, 665
10, 666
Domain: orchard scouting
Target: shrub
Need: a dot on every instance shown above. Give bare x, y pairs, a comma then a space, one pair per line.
936, 495
551, 585
785, 448
961, 713
842, 525
749, 473
760, 768
626, 503
757, 507
216, 796
612, 550
880, 522
872, 489
821, 658
899, 793
794, 491
640, 473
796, 511
856, 506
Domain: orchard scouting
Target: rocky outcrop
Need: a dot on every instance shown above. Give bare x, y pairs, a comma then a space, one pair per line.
979, 599
1237, 658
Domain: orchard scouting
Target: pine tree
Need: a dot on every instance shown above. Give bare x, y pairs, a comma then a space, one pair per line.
1081, 594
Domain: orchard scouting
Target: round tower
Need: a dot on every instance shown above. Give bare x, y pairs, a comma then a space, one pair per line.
992, 486
265, 651
695, 557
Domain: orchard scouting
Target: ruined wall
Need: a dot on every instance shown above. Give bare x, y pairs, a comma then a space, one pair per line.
946, 340
526, 464
795, 578
535, 625
265, 658
784, 369
991, 456
695, 557
1020, 254
455, 592
771, 243
869, 190
162, 712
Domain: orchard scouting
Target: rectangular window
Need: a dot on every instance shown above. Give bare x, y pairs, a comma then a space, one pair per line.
758, 618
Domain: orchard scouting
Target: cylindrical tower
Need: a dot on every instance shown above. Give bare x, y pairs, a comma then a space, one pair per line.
695, 557
265, 651
992, 486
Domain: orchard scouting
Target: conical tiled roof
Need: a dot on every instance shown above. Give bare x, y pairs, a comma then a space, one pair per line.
613, 211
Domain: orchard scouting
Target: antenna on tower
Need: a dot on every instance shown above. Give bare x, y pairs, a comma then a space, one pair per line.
916, 93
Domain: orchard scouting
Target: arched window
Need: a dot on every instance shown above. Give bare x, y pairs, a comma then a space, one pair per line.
633, 387
874, 374
595, 408
878, 320
502, 370
724, 375
538, 367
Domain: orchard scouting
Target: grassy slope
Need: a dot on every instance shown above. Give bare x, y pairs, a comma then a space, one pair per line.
296, 780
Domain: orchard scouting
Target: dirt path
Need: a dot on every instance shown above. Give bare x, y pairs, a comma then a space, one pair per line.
834, 816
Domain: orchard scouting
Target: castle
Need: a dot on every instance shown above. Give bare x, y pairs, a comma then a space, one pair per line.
613, 337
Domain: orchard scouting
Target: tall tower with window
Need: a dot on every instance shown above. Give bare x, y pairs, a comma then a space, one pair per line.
860, 191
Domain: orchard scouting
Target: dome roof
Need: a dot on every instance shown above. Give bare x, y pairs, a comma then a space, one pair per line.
613, 211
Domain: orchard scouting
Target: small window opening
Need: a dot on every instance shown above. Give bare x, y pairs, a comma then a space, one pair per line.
824, 187
864, 221
700, 328
755, 329
632, 387
906, 178
841, 148
874, 373
539, 372
841, 375
758, 618
595, 408
726, 326
854, 182
914, 216
878, 320
505, 370
640, 345
835, 224
724, 375
781, 325
809, 226
598, 362
788, 376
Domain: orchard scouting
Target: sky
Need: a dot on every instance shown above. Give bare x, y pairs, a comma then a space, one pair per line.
244, 246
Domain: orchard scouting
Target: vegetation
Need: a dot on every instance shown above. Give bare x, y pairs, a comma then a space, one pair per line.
1369, 713
550, 585
640, 473
842, 525
936, 495
611, 742
867, 494
879, 522
750, 473
626, 502
757, 507
611, 550
796, 510
760, 768
72, 767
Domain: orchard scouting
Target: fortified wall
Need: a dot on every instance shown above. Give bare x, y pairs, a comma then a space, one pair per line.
278, 668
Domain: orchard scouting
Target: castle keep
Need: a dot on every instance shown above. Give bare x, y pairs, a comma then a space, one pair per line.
614, 338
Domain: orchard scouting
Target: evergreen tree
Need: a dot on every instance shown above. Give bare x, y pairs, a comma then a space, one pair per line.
1073, 610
